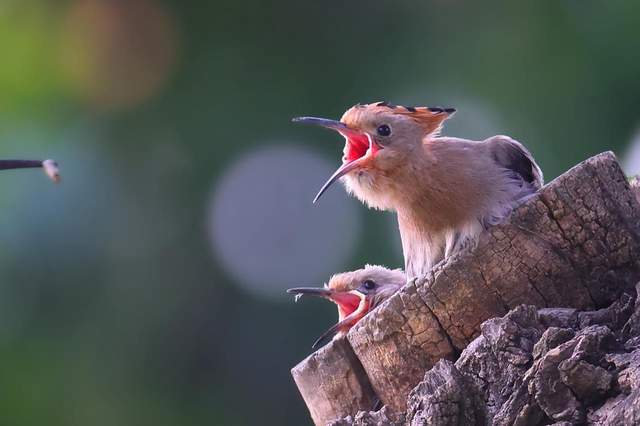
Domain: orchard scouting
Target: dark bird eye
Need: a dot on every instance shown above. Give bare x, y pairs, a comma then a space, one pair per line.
369, 285
384, 130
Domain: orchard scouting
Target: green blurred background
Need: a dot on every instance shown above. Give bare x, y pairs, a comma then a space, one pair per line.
148, 287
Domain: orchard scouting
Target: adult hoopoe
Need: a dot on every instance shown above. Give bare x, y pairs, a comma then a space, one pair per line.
444, 190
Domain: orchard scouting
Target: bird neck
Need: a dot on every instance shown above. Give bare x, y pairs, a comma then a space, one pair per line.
419, 185
434, 201
424, 199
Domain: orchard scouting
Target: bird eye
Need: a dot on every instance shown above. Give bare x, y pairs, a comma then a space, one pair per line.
369, 285
383, 130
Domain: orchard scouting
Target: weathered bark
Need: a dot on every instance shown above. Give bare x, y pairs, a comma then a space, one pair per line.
570, 249
399, 343
333, 383
383, 417
574, 244
634, 183
534, 367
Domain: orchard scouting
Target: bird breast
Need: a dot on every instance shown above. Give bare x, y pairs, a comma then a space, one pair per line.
372, 187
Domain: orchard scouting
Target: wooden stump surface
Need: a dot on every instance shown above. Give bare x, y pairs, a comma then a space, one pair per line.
333, 383
576, 243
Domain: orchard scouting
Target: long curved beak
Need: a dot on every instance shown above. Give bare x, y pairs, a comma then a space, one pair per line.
348, 299
352, 305
322, 122
353, 138
345, 323
310, 291
342, 170
336, 125
327, 335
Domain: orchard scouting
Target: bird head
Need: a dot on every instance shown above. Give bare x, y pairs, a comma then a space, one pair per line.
355, 294
379, 137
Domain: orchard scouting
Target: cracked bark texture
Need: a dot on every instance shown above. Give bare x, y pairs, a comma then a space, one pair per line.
560, 366
333, 383
568, 251
575, 244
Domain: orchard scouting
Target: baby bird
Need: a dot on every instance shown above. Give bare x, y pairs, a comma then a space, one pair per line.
355, 293
444, 190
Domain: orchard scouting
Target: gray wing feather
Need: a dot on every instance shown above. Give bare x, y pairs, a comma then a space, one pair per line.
512, 155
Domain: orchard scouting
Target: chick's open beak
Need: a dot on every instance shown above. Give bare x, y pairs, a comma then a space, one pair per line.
359, 148
352, 305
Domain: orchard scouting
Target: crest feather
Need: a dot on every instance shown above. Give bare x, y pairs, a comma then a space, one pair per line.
429, 118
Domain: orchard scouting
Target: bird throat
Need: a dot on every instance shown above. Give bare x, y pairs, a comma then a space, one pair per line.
356, 147
347, 304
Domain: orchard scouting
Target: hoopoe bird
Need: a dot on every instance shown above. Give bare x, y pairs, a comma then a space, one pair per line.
50, 167
355, 293
444, 190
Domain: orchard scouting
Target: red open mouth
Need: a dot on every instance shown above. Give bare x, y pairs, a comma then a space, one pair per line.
358, 149
352, 306
348, 303
355, 147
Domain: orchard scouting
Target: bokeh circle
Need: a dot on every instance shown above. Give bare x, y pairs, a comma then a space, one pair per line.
266, 233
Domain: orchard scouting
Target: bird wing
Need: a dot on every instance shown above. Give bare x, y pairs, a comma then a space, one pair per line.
512, 155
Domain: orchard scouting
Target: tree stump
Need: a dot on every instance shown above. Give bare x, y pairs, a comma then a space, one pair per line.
634, 183
333, 383
575, 243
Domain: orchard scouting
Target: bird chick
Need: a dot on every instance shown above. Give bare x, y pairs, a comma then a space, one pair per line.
355, 293
444, 190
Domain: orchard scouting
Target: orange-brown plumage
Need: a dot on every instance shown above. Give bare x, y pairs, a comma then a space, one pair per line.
444, 190
430, 119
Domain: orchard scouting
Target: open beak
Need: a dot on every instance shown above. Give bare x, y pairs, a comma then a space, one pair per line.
352, 305
359, 148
